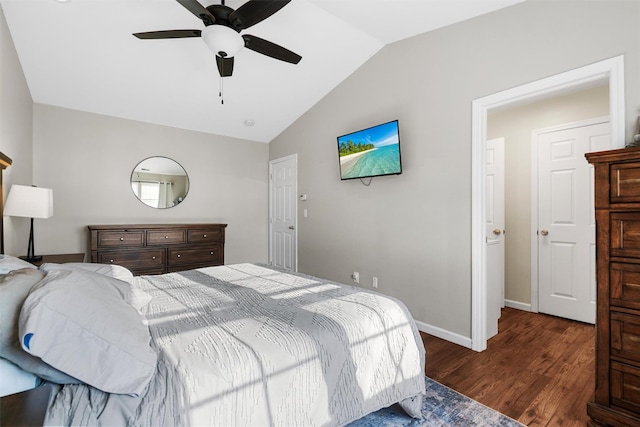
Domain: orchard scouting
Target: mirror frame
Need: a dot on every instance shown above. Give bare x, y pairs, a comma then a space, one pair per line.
161, 166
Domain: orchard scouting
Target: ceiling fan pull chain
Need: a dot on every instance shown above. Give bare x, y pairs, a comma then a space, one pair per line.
220, 93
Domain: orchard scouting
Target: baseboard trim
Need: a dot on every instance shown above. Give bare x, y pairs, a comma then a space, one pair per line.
444, 334
457, 338
517, 305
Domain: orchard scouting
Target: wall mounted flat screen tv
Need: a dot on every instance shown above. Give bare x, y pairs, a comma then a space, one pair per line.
370, 152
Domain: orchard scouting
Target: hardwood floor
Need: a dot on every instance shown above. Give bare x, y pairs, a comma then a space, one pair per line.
539, 369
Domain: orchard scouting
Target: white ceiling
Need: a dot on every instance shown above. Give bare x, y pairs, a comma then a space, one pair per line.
80, 54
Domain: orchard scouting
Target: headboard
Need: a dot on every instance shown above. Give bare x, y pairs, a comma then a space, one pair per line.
4, 163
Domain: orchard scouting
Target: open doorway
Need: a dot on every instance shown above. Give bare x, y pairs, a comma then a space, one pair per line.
524, 127
608, 72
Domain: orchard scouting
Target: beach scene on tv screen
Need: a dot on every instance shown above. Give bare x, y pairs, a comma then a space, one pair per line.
370, 152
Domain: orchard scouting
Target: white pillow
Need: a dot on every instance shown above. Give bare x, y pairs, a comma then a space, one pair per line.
9, 263
138, 298
134, 296
14, 289
112, 270
80, 323
14, 380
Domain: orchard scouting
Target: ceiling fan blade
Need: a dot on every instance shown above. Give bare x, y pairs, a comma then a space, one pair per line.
168, 34
255, 11
270, 49
198, 10
225, 66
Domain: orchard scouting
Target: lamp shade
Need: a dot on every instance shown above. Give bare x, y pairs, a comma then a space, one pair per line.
30, 202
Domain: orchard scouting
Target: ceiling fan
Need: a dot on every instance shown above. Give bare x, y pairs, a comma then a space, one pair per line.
222, 31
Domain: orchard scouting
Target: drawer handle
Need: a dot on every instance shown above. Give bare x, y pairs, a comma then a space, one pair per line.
111, 261
166, 237
211, 253
632, 387
178, 255
204, 236
122, 239
153, 257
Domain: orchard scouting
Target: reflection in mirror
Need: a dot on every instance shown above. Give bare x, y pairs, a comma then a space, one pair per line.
159, 182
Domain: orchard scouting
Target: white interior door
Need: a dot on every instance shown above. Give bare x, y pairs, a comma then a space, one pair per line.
566, 220
495, 233
283, 190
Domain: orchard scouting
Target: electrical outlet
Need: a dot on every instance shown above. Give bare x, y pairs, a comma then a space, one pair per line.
374, 282
356, 277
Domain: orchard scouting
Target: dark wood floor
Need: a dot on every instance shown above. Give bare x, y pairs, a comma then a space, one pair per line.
539, 369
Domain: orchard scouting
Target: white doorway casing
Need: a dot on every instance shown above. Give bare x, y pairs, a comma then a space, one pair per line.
611, 71
283, 208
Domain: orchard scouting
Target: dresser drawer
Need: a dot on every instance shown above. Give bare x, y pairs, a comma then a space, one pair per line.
625, 386
211, 255
625, 336
165, 237
118, 238
624, 282
625, 182
205, 235
157, 248
134, 260
625, 235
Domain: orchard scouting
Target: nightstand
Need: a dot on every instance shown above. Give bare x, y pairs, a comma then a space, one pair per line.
26, 408
59, 259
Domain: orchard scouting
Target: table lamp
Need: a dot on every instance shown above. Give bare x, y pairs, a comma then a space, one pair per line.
30, 202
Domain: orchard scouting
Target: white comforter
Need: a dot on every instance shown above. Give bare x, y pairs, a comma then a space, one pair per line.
246, 345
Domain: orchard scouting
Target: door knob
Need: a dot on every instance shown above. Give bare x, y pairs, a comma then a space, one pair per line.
544, 232
497, 231
291, 227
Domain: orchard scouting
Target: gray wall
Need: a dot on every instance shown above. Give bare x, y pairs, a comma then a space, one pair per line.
413, 231
16, 112
87, 160
516, 124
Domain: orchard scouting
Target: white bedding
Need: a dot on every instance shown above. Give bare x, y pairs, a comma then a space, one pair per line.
13, 379
246, 345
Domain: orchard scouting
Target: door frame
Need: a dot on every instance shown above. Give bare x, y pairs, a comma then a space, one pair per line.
611, 71
293, 157
535, 294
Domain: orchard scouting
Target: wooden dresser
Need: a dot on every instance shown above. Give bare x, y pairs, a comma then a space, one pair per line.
157, 248
617, 202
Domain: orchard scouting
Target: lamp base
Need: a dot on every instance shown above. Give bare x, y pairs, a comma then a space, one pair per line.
31, 258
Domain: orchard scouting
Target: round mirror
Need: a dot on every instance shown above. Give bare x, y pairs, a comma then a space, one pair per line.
159, 182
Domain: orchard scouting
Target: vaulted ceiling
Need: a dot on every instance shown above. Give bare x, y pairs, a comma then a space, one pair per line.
81, 54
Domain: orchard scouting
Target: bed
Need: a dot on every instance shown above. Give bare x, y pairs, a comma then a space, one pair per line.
233, 345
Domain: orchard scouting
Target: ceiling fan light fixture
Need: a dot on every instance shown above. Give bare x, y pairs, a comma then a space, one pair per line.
222, 40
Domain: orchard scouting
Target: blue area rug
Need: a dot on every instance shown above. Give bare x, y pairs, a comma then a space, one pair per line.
441, 407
